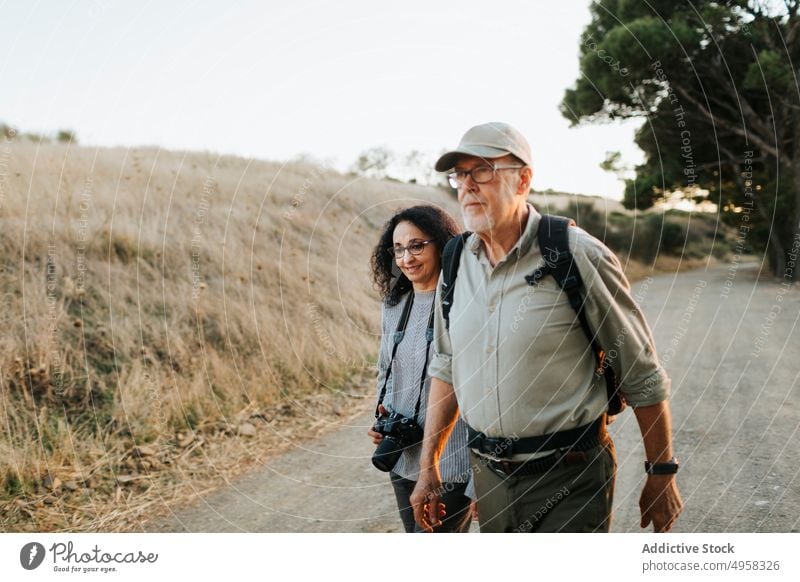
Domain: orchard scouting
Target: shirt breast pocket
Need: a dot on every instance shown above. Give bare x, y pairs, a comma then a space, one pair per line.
548, 304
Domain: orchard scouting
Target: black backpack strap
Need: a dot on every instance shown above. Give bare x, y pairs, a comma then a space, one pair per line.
451, 258
559, 262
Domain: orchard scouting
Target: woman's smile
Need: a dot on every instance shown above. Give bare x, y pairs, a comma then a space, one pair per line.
420, 261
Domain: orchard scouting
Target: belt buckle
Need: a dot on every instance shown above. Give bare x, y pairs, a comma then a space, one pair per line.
502, 468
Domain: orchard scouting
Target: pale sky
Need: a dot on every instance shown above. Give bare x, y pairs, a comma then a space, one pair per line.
273, 80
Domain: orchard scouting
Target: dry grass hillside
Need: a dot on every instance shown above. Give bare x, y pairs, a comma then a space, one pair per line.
168, 317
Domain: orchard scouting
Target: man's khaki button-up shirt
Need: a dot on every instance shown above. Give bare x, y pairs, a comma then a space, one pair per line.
516, 354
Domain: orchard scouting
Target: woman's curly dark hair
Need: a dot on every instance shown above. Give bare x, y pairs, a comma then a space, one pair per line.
434, 222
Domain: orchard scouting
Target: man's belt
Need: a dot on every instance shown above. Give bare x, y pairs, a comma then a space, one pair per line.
536, 466
577, 439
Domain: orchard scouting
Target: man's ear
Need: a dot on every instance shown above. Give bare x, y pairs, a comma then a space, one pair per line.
525, 181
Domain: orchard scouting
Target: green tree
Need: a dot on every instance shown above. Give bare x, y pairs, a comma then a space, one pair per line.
718, 94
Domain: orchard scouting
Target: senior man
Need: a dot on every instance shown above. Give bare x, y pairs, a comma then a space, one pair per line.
514, 358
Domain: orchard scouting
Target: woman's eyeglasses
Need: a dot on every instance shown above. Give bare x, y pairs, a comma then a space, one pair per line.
415, 247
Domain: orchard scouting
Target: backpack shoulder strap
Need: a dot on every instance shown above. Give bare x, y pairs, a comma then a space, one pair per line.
558, 261
554, 244
451, 258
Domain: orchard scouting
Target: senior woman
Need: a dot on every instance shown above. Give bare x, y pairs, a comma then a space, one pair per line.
405, 267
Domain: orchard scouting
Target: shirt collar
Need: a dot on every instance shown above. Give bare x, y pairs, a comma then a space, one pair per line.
525, 241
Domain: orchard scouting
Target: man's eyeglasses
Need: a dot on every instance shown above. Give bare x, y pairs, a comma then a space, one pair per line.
479, 175
415, 247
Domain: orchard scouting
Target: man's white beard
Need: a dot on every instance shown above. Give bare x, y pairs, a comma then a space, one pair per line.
480, 223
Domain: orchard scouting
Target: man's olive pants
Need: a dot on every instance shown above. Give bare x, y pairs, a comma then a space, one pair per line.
573, 496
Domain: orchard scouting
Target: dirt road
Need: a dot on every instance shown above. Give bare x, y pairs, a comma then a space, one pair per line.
732, 348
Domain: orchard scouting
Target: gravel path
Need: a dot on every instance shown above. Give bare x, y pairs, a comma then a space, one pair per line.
730, 345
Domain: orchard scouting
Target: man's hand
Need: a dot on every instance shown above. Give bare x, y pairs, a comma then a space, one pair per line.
425, 499
439, 421
660, 502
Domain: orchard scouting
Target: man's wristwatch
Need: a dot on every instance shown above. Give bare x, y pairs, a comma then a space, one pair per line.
668, 468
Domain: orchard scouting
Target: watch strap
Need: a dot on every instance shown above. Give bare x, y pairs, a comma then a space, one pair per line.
668, 468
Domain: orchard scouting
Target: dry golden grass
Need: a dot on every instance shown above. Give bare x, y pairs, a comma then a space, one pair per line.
150, 295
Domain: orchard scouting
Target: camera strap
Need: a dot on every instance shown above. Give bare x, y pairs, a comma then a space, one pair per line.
397, 338
428, 340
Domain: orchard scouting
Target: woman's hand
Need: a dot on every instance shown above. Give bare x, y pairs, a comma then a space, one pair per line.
372, 433
375, 436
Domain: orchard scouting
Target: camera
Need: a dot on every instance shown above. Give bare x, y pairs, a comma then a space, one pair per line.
399, 432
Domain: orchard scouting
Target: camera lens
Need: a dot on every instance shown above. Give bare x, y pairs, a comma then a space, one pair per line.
387, 454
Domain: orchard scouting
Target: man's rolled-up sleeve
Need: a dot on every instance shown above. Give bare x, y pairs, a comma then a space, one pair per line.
619, 324
441, 365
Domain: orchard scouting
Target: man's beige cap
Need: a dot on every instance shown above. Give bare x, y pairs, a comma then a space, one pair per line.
488, 140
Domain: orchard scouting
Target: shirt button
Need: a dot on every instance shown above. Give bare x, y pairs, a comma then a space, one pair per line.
492, 308
489, 349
